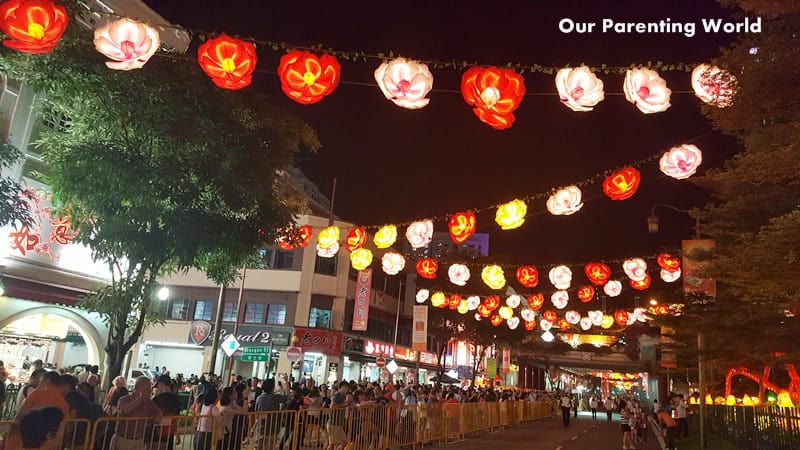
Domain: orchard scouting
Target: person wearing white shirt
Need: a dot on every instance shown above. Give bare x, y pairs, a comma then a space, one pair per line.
608, 405
683, 421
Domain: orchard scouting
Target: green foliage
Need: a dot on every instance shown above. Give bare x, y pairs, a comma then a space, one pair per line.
13, 207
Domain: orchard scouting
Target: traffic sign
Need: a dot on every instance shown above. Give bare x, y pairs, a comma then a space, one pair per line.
380, 361
230, 345
256, 350
294, 353
255, 358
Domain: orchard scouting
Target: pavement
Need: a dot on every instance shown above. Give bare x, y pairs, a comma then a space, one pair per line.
583, 433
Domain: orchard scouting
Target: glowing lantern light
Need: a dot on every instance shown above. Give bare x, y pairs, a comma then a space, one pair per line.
427, 267
419, 234
613, 288
622, 184
713, 85
129, 43
328, 252
785, 400
709, 400
547, 336
561, 277
462, 307
295, 238
422, 295
355, 239
550, 315
530, 326
573, 317
492, 301
493, 276
607, 322
505, 312
681, 162
631, 319
513, 301
528, 276
560, 299
640, 314
527, 315
635, 268
438, 299
478, 317
513, 323
495, 94
536, 301
756, 401
34, 26
329, 236
229, 62
747, 401
461, 226
668, 262
670, 277
496, 320
621, 317
393, 263
545, 325
361, 258
641, 284
511, 215
586, 323
484, 311
386, 236
405, 82
454, 301
730, 400
565, 201
304, 235
458, 274
307, 79
596, 317
647, 90
597, 273
661, 310
473, 302
578, 88
562, 324
586, 294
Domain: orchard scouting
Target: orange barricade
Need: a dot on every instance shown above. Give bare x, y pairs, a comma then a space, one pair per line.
76, 435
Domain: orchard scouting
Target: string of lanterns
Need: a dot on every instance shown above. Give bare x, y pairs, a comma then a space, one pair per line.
36, 26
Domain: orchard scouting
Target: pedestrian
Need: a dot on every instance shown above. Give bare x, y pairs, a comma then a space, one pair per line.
671, 428
565, 407
575, 405
41, 428
130, 434
608, 405
683, 421
625, 426
164, 434
593, 406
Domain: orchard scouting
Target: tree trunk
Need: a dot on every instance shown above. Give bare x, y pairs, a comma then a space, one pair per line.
478, 358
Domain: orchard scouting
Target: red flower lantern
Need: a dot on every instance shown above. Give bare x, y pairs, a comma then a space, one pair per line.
229, 62
562, 324
355, 238
528, 276
461, 226
536, 301
454, 301
304, 235
492, 301
662, 309
643, 284
621, 317
530, 326
296, 238
668, 262
427, 267
34, 26
305, 78
550, 315
495, 94
622, 184
597, 273
586, 294
496, 320
484, 310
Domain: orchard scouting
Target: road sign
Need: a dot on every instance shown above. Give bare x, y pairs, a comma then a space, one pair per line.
255, 358
294, 353
254, 354
380, 361
230, 345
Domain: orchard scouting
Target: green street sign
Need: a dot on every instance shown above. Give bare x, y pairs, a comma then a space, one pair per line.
256, 350
255, 358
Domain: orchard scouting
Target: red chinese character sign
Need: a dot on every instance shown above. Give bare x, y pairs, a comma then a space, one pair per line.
43, 231
361, 308
318, 340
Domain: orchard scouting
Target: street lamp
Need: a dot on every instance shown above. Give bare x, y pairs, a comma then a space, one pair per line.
652, 219
163, 293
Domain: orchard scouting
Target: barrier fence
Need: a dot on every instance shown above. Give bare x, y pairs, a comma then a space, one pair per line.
356, 428
756, 428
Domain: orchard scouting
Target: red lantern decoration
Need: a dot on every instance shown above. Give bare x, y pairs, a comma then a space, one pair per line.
550, 315
229, 62
662, 309
461, 226
668, 262
621, 317
296, 238
34, 26
586, 294
304, 235
496, 320
484, 310
528, 276
597, 273
643, 284
562, 324
454, 301
622, 184
536, 301
355, 238
492, 301
530, 326
427, 267
305, 78
495, 94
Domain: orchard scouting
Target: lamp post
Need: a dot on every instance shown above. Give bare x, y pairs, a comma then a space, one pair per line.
652, 227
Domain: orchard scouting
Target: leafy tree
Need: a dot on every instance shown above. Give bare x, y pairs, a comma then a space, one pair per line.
13, 205
159, 171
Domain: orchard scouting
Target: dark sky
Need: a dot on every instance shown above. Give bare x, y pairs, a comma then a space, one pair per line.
394, 164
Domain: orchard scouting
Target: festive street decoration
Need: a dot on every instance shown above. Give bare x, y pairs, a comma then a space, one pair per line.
635, 268
647, 90
550, 315
714, 86
493, 276
613, 288
528, 276
129, 43
473, 302
293, 238
607, 322
597, 273
536, 301
565, 201
228, 61
494, 93
640, 314
505, 312
527, 314
559, 299
453, 301
513, 323
306, 78
562, 324
681, 162
462, 307
492, 301
573, 317
621, 317
385, 237
585, 323
393, 263
420, 233
670, 277
361, 258
561, 277
530, 325
642, 284
622, 184
438, 299
328, 252
427, 267
356, 238
513, 301
547, 336
578, 88
586, 294
461, 226
484, 311
511, 215
596, 317
422, 295
328, 236
496, 320
668, 262
545, 326
458, 274
33, 26
405, 82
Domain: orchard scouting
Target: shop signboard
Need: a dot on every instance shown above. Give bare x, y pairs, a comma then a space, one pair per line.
352, 344
491, 367
405, 354
378, 348
506, 360
201, 333
327, 342
419, 334
361, 308
428, 358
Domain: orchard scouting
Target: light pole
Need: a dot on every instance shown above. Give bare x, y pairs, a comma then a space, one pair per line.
652, 220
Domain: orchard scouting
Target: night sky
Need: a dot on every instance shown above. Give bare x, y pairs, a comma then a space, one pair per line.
396, 165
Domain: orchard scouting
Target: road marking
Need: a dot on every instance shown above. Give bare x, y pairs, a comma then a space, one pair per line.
558, 448
574, 438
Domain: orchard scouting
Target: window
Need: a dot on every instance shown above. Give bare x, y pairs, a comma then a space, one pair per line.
319, 318
229, 313
276, 314
254, 313
284, 259
326, 266
178, 309
202, 310
269, 258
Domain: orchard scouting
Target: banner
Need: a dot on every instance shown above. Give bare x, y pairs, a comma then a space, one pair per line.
319, 340
419, 338
506, 360
361, 309
491, 367
693, 280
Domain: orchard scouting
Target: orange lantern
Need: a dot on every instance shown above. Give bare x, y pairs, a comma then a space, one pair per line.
304, 235
662, 309
528, 276
454, 301
536, 301
33, 26
484, 310
296, 238
427, 267
229, 62
495, 94
496, 320
668, 262
355, 238
530, 326
621, 317
550, 315
622, 184
305, 78
562, 324
586, 294
492, 301
643, 284
597, 273
461, 226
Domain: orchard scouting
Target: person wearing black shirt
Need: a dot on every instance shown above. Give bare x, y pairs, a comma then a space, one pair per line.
80, 408
163, 434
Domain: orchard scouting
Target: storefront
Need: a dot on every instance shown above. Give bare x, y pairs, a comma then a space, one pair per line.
428, 365
360, 357
322, 351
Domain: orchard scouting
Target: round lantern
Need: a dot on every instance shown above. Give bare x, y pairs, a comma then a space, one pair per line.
461, 226
328, 252
597, 273
511, 215
505, 312
306, 78
536, 301
385, 237
607, 322
681, 162
513, 301
495, 94
473, 302
405, 82
303, 236
454, 301
635, 268
622, 184
513, 323
419, 234
492, 301
647, 90
422, 295
668, 262
438, 299
493, 276
565, 201
586, 323
562, 324
640, 314
458, 274
613, 288
462, 307
545, 325
528, 276
356, 238
527, 314
559, 299
641, 284
621, 317
713, 85
229, 62
631, 319
427, 267
573, 317
578, 88
561, 277
32, 26
586, 294
496, 320
361, 258
478, 317
128, 43
393, 263
484, 311
530, 325
329, 236
596, 317
550, 315
670, 277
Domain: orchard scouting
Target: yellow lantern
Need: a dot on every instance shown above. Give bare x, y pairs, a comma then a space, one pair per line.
463, 308
709, 400
730, 400
361, 258
438, 299
386, 236
327, 237
692, 401
747, 401
719, 400
511, 215
493, 276
756, 401
607, 322
785, 400
505, 312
